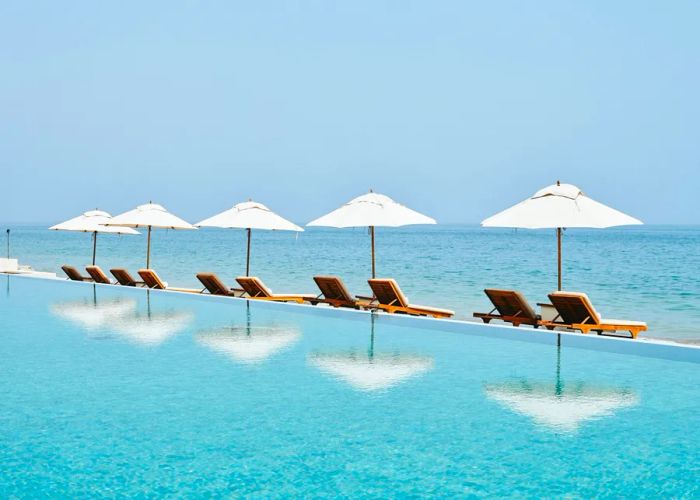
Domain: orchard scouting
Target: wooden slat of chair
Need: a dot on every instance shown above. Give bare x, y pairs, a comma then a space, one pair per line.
512, 308
73, 274
577, 312
334, 293
124, 278
98, 275
390, 298
217, 287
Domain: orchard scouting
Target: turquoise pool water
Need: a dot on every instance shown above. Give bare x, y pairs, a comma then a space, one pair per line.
647, 273
110, 392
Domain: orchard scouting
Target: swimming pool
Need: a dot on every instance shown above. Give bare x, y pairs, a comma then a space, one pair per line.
110, 391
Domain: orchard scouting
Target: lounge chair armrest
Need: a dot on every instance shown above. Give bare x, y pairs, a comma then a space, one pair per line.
362, 297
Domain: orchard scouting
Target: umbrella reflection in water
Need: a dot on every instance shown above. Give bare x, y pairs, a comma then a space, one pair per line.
92, 314
120, 315
561, 406
249, 344
371, 371
152, 328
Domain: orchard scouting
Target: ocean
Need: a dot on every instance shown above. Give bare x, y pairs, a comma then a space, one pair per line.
647, 273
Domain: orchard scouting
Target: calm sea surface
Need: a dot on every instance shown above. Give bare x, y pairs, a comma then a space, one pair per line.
650, 273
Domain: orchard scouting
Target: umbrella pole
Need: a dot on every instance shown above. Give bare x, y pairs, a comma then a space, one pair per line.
371, 232
247, 260
148, 249
94, 246
559, 258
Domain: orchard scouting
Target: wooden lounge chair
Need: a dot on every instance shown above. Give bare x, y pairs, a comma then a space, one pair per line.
98, 275
334, 293
256, 289
124, 277
512, 308
217, 287
74, 275
152, 280
576, 311
389, 297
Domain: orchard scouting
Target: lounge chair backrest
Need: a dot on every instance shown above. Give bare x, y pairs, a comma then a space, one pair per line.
574, 307
213, 284
98, 275
123, 276
387, 292
151, 279
510, 303
333, 288
72, 273
254, 286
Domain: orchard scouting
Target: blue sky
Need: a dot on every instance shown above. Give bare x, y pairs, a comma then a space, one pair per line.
458, 109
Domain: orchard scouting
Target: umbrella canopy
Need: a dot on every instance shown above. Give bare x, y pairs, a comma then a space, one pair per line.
559, 206
92, 221
249, 215
249, 345
149, 215
564, 408
372, 210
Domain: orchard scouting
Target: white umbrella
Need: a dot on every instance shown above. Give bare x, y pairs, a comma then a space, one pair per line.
249, 215
559, 206
149, 215
93, 222
372, 210
250, 345
561, 408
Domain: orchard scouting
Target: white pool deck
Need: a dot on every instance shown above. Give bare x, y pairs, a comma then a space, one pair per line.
642, 346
